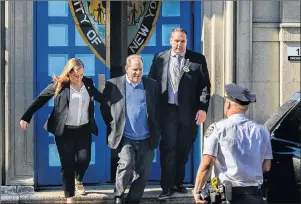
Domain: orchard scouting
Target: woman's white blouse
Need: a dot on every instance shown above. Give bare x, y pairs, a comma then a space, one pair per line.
78, 107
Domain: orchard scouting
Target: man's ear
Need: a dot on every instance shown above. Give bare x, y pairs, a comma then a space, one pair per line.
228, 104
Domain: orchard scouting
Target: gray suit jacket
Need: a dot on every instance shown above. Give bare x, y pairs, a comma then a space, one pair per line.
113, 109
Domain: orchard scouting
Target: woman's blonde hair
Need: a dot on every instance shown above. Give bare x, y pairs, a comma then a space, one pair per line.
71, 65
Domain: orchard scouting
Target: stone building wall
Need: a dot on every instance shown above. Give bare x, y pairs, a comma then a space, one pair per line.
246, 42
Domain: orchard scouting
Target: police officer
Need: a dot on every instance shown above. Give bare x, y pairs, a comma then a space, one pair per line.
238, 149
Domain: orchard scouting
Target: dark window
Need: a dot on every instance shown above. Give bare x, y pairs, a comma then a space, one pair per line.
290, 127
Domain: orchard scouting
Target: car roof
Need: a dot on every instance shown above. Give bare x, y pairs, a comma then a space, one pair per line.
276, 118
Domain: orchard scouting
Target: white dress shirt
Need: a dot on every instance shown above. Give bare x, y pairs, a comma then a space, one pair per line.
78, 107
130, 82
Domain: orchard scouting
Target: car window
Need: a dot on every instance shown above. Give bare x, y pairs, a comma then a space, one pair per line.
290, 127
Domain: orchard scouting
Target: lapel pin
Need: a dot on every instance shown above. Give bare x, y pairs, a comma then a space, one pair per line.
186, 69
186, 64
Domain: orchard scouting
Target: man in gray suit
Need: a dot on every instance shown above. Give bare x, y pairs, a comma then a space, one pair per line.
130, 114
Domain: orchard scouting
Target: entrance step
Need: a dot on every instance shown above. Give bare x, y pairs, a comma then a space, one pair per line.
94, 194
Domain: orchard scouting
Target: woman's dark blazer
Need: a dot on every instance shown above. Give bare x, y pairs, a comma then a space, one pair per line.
58, 116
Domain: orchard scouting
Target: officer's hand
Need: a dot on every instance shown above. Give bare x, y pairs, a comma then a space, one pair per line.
200, 117
24, 124
197, 199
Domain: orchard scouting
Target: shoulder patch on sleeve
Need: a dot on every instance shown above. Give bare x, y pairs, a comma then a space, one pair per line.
210, 129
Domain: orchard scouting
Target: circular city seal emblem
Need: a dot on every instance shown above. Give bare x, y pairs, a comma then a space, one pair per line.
90, 20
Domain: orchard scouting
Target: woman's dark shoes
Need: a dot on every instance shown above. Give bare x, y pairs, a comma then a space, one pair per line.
180, 189
166, 194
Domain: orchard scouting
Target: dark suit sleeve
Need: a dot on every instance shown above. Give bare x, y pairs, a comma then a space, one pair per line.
97, 95
39, 101
153, 69
105, 106
205, 85
157, 103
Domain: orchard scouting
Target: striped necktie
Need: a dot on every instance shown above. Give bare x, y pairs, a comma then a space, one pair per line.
177, 72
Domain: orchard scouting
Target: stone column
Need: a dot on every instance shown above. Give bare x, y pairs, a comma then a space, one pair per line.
265, 58
19, 145
230, 41
2, 69
289, 37
213, 49
244, 45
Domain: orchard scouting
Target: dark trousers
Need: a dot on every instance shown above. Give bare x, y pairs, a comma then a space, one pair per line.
243, 199
244, 195
135, 161
175, 146
74, 148
247, 199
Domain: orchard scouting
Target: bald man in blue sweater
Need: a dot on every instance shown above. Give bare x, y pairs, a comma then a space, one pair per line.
130, 114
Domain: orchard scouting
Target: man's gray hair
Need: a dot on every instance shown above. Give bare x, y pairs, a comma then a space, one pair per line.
131, 57
241, 108
178, 29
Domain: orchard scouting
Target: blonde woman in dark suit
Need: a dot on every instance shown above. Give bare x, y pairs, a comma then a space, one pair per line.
71, 121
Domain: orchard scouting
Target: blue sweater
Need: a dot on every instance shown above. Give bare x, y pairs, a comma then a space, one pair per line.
136, 124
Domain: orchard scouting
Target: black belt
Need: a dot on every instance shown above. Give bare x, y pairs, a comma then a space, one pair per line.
249, 190
173, 105
74, 127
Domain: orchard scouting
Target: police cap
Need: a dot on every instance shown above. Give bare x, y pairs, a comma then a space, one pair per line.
239, 94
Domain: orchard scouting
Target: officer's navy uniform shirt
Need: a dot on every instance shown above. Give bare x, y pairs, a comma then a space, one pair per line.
240, 146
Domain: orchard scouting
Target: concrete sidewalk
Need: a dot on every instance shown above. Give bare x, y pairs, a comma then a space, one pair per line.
94, 194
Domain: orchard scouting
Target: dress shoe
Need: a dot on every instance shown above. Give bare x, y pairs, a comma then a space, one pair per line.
166, 194
180, 189
118, 200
